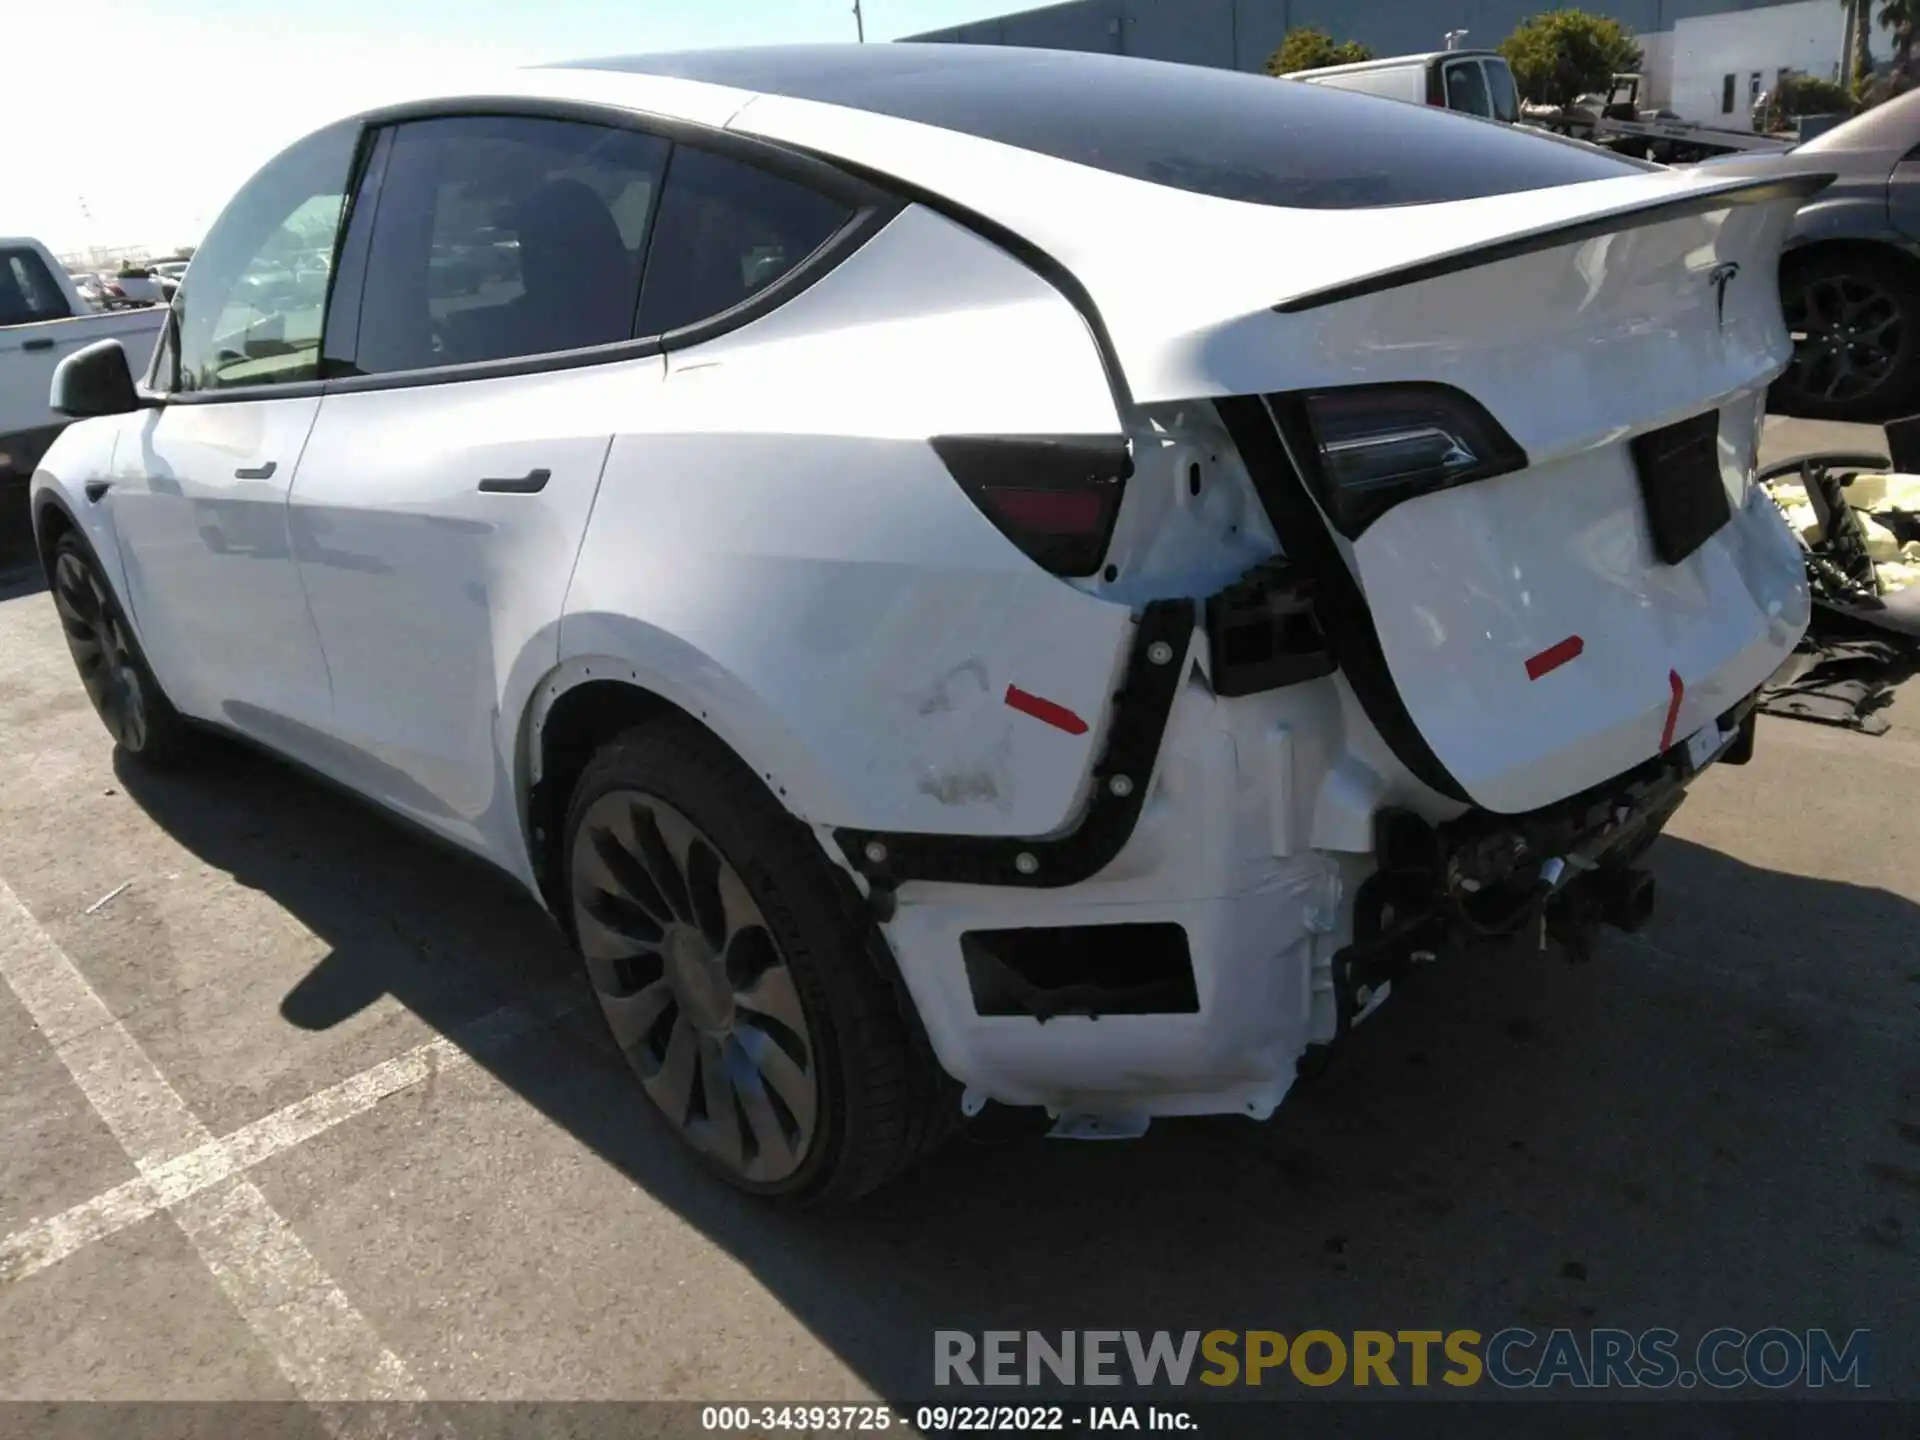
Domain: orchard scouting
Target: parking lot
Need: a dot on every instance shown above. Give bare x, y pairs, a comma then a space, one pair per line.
293, 1103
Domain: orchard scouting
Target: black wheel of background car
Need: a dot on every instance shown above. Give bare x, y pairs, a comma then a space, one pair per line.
125, 695
1855, 321
739, 974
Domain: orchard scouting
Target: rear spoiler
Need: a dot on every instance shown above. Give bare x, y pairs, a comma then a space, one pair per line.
1694, 202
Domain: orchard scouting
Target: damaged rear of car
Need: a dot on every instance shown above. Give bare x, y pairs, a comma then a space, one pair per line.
1410, 570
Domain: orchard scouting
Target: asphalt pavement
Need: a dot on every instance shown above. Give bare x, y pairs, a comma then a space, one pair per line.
294, 1104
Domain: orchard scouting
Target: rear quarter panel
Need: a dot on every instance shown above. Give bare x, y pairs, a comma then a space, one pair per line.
783, 555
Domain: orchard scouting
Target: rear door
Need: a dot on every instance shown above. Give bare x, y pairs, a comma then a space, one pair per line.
484, 315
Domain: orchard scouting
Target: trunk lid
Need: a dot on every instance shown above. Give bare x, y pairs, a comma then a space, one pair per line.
1615, 584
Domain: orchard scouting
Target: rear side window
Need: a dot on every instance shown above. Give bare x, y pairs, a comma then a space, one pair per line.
27, 292
502, 237
725, 232
1215, 132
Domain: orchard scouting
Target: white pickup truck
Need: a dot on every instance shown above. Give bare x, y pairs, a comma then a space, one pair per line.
43, 319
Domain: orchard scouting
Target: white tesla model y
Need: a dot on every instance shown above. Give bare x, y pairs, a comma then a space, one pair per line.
959, 575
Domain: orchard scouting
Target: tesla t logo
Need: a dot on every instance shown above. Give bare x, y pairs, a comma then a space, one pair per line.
1720, 277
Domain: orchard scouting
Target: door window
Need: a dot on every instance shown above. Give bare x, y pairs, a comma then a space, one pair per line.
27, 292
726, 231
1467, 88
249, 312
501, 237
1506, 100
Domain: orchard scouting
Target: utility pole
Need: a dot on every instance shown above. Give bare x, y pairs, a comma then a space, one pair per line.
859, 22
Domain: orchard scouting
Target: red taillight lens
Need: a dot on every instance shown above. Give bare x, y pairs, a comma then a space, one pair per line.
1056, 497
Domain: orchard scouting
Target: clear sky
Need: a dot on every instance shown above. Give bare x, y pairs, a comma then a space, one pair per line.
129, 122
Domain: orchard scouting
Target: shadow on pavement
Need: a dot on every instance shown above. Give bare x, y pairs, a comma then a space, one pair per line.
20, 572
1644, 1140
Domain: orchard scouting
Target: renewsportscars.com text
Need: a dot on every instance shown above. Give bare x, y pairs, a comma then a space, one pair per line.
1512, 1358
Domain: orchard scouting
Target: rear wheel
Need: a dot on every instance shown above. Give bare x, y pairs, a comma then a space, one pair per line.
1855, 320
124, 693
738, 973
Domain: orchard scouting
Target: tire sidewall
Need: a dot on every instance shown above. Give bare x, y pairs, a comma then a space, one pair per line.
167, 735
758, 840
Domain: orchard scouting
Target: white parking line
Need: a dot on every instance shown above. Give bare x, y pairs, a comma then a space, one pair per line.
47, 1242
321, 1343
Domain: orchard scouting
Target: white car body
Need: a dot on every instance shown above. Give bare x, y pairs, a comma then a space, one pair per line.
35, 339
135, 289
752, 526
1472, 82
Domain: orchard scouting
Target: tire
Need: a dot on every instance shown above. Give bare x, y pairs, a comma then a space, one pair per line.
740, 974
1855, 318
119, 682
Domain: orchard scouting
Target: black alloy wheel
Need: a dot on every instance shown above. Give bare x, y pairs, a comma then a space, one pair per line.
694, 987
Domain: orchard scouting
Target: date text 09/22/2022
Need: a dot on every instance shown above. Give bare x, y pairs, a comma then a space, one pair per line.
943, 1419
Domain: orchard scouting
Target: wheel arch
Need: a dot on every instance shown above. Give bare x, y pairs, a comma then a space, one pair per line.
65, 495
50, 519
587, 700
1889, 247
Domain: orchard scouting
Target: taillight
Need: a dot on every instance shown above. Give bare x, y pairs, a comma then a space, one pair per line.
1374, 446
1056, 497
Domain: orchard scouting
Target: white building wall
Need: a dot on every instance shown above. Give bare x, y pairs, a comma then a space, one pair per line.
1808, 37
1656, 69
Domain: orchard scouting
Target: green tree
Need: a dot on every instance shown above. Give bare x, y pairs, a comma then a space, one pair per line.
1859, 62
1898, 17
1566, 53
1798, 95
1306, 48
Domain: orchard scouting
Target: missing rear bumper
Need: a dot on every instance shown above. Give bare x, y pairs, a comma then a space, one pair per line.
1558, 873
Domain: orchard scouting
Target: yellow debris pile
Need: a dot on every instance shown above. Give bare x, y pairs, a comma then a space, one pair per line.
1870, 495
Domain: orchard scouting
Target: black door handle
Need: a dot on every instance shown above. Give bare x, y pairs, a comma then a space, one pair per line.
42, 342
96, 488
531, 483
255, 472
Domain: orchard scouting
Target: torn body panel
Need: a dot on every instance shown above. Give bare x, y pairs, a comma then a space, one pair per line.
826, 597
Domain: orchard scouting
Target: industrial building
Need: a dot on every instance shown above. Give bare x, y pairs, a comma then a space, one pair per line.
1704, 59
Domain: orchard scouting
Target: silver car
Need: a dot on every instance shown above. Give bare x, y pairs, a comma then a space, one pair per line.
1850, 275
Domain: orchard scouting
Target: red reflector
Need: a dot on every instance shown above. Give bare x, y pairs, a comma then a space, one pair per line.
1057, 716
1679, 687
1052, 512
1554, 656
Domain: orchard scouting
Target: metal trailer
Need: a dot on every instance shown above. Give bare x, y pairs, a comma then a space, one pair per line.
1620, 124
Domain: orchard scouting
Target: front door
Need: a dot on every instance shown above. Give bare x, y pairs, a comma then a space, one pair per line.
200, 484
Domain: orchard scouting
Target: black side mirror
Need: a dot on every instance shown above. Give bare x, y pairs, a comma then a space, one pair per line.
94, 381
